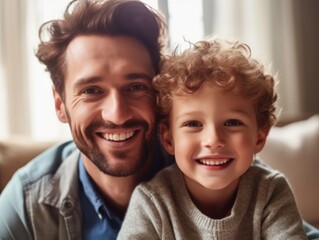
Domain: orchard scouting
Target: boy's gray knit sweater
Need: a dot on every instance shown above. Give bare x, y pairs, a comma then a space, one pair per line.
264, 209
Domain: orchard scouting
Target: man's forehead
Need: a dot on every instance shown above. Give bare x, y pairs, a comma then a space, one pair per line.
93, 56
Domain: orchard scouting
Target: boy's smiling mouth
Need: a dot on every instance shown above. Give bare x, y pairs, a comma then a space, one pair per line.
214, 162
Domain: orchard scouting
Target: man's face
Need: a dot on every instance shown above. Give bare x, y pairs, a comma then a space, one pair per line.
109, 102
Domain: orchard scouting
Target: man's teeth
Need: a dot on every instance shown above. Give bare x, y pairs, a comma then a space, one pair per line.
214, 162
118, 136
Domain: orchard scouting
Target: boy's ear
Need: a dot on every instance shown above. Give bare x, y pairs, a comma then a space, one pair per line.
261, 139
166, 138
59, 106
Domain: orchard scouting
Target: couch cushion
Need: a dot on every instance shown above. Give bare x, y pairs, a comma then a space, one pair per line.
294, 149
16, 152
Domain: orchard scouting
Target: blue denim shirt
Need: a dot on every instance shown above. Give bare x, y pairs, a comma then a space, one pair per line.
99, 222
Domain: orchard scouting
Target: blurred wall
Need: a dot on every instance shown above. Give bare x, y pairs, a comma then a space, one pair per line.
283, 34
307, 40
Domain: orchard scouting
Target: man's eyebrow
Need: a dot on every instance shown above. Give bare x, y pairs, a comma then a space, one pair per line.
85, 81
133, 76
92, 80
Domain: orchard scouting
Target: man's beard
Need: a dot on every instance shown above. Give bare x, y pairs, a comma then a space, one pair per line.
87, 145
102, 162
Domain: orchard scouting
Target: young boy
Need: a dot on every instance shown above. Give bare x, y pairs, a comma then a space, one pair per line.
217, 106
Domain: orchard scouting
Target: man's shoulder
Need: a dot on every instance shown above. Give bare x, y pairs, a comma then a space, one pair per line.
51, 173
42, 185
46, 163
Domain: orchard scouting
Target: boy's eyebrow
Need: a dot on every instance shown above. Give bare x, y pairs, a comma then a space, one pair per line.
187, 113
239, 111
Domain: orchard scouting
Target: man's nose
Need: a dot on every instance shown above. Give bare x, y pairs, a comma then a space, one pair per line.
116, 108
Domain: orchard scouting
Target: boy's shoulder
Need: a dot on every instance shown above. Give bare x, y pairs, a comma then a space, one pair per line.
261, 175
165, 180
261, 168
165, 175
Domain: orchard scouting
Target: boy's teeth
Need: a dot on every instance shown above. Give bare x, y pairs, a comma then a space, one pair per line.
118, 136
214, 163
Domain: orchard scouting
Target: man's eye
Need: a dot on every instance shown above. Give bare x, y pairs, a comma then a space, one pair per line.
193, 124
233, 122
92, 91
138, 87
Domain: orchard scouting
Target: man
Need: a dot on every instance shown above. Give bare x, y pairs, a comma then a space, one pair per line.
101, 58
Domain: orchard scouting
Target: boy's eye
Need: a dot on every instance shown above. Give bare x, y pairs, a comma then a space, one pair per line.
193, 124
233, 122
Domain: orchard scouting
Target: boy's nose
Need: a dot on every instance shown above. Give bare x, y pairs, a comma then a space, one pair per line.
214, 138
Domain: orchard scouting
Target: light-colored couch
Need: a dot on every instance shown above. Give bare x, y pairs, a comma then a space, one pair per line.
293, 149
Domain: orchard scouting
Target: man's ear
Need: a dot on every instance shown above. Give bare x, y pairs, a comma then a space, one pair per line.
261, 139
59, 106
166, 138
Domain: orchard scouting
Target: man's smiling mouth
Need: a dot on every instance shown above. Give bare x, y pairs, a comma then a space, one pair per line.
118, 137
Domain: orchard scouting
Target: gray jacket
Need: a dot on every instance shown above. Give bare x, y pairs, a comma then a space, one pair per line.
41, 200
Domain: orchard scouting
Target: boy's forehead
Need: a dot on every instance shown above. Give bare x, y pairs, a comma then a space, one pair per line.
212, 96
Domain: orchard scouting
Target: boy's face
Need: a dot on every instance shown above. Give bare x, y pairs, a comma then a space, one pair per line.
213, 135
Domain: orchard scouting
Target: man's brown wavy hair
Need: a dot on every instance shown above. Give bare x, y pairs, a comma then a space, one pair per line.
99, 17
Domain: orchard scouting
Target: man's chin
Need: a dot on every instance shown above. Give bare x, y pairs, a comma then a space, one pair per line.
120, 169
119, 163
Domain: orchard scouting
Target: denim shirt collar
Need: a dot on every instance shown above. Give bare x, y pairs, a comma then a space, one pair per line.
92, 193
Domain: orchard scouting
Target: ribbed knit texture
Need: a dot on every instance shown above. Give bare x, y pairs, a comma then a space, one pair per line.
264, 209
